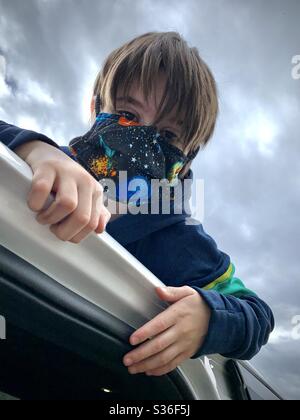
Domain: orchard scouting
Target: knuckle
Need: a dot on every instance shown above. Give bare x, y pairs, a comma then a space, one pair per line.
87, 179
181, 311
40, 185
83, 219
187, 288
185, 330
93, 224
68, 203
51, 161
161, 325
64, 164
158, 346
98, 189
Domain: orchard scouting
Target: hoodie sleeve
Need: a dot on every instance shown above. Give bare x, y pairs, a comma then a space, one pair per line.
240, 322
13, 136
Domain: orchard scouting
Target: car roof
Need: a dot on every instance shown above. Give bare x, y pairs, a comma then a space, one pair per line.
98, 269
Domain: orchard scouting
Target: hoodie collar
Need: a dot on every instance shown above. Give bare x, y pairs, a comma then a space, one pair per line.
130, 228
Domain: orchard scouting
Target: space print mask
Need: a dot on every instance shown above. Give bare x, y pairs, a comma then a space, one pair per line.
116, 144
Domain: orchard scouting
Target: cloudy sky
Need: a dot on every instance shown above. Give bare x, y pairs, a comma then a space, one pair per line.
50, 53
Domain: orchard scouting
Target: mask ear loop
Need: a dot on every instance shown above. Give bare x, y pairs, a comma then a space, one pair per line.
97, 105
190, 157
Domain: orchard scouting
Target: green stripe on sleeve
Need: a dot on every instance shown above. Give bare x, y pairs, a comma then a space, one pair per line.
227, 284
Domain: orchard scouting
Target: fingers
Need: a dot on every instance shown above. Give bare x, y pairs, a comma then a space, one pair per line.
173, 294
157, 361
80, 218
41, 187
151, 348
169, 367
99, 217
78, 207
65, 203
156, 326
105, 217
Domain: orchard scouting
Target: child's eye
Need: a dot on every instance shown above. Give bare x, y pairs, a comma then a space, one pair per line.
128, 115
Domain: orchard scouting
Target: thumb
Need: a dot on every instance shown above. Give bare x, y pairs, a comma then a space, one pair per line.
173, 294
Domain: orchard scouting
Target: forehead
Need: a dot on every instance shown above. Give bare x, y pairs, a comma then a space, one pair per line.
150, 104
154, 97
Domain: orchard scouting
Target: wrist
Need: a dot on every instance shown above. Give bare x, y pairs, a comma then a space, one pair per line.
34, 151
26, 149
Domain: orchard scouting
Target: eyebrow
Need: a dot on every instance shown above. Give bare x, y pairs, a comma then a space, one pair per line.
131, 100
137, 103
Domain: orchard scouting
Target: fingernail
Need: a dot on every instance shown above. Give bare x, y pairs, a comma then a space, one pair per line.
128, 362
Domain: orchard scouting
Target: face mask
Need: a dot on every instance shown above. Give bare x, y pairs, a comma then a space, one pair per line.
116, 144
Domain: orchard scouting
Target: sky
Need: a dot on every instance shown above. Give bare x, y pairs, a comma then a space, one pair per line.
50, 54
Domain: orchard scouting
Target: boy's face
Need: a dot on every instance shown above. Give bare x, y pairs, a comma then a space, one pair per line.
146, 112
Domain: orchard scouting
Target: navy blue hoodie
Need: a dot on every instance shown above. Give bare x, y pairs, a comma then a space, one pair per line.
180, 253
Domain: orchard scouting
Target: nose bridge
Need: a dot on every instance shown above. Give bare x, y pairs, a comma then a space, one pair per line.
148, 121
149, 115
151, 125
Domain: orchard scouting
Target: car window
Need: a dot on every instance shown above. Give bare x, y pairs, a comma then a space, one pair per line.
246, 384
59, 346
35, 369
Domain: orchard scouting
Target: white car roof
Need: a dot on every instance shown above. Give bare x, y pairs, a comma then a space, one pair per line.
98, 269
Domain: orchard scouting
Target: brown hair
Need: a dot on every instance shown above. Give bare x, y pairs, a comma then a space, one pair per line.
189, 80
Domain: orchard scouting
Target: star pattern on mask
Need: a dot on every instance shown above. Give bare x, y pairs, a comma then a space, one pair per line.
139, 150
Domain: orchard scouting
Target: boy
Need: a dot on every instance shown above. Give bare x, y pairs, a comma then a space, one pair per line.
155, 80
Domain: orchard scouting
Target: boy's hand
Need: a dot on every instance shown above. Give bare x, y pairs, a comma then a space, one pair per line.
177, 333
78, 208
